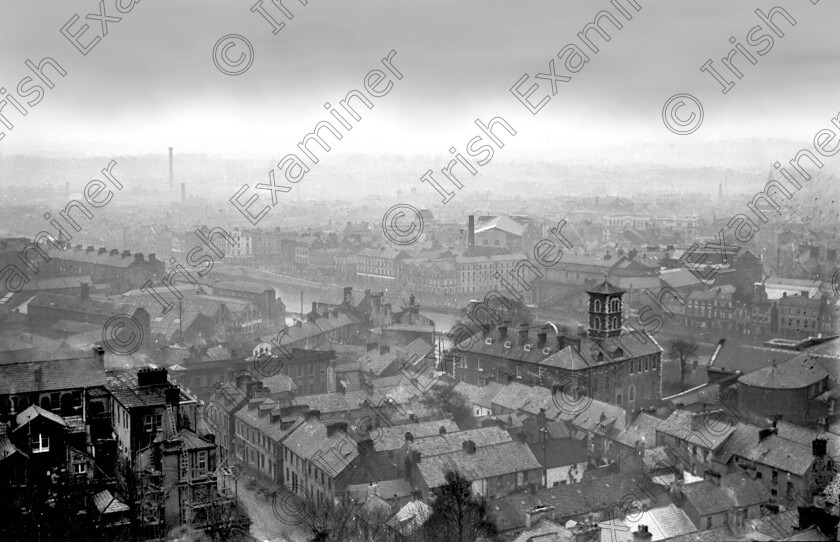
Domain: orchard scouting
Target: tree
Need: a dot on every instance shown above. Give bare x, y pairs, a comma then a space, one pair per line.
333, 521
449, 402
457, 514
681, 350
228, 520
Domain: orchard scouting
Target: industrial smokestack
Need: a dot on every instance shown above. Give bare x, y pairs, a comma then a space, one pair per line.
471, 232
171, 174
183, 192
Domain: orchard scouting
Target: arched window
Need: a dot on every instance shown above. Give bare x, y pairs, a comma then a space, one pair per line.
631, 394
597, 323
596, 306
618, 400
615, 304
615, 322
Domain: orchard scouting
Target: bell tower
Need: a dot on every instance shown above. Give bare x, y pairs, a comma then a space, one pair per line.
605, 311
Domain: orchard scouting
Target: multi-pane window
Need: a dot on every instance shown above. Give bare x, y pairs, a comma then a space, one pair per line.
40, 444
480, 364
201, 463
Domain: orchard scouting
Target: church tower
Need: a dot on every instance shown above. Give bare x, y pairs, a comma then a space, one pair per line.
605, 311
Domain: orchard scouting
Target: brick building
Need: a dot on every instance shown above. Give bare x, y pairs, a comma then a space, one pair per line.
605, 363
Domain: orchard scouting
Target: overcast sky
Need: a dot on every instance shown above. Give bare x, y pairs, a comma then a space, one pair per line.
151, 83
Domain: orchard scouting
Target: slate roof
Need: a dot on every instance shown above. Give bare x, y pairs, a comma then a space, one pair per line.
559, 453
333, 402
572, 500
642, 429
515, 396
393, 437
384, 490
662, 523
501, 223
62, 374
614, 419
124, 388
800, 372
33, 411
678, 425
606, 288
410, 517
543, 530
734, 491
191, 441
486, 462
242, 287
263, 424
451, 442
108, 504
99, 307
332, 454
279, 383
789, 450
8, 449
482, 397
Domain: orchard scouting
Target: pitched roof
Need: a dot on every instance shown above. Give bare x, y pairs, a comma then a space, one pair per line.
642, 429
437, 444
410, 517
559, 453
679, 425
108, 504
333, 453
734, 491
503, 223
393, 437
34, 411
61, 374
191, 441
8, 449
486, 462
606, 288
571, 500
663, 523
793, 456
482, 397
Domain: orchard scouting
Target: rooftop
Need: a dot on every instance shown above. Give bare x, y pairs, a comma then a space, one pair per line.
486, 462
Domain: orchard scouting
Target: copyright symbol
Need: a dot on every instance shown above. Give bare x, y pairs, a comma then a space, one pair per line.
228, 63
685, 122
402, 235
291, 508
572, 394
122, 335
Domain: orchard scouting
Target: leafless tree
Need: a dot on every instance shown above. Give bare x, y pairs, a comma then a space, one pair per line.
681, 350
457, 514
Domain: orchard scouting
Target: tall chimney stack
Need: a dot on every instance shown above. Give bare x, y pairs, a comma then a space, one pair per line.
171, 174
471, 232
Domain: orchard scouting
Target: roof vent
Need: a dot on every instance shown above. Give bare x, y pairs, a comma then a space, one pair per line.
507, 344
488, 340
527, 347
546, 350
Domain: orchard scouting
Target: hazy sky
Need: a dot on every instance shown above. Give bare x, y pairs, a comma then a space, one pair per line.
151, 83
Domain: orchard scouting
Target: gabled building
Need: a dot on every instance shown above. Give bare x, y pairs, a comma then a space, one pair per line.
723, 500
494, 471
619, 368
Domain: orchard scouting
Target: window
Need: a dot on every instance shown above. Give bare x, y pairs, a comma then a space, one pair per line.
708, 522
480, 364
646, 363
481, 382
79, 468
518, 371
40, 444
202, 461
631, 393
